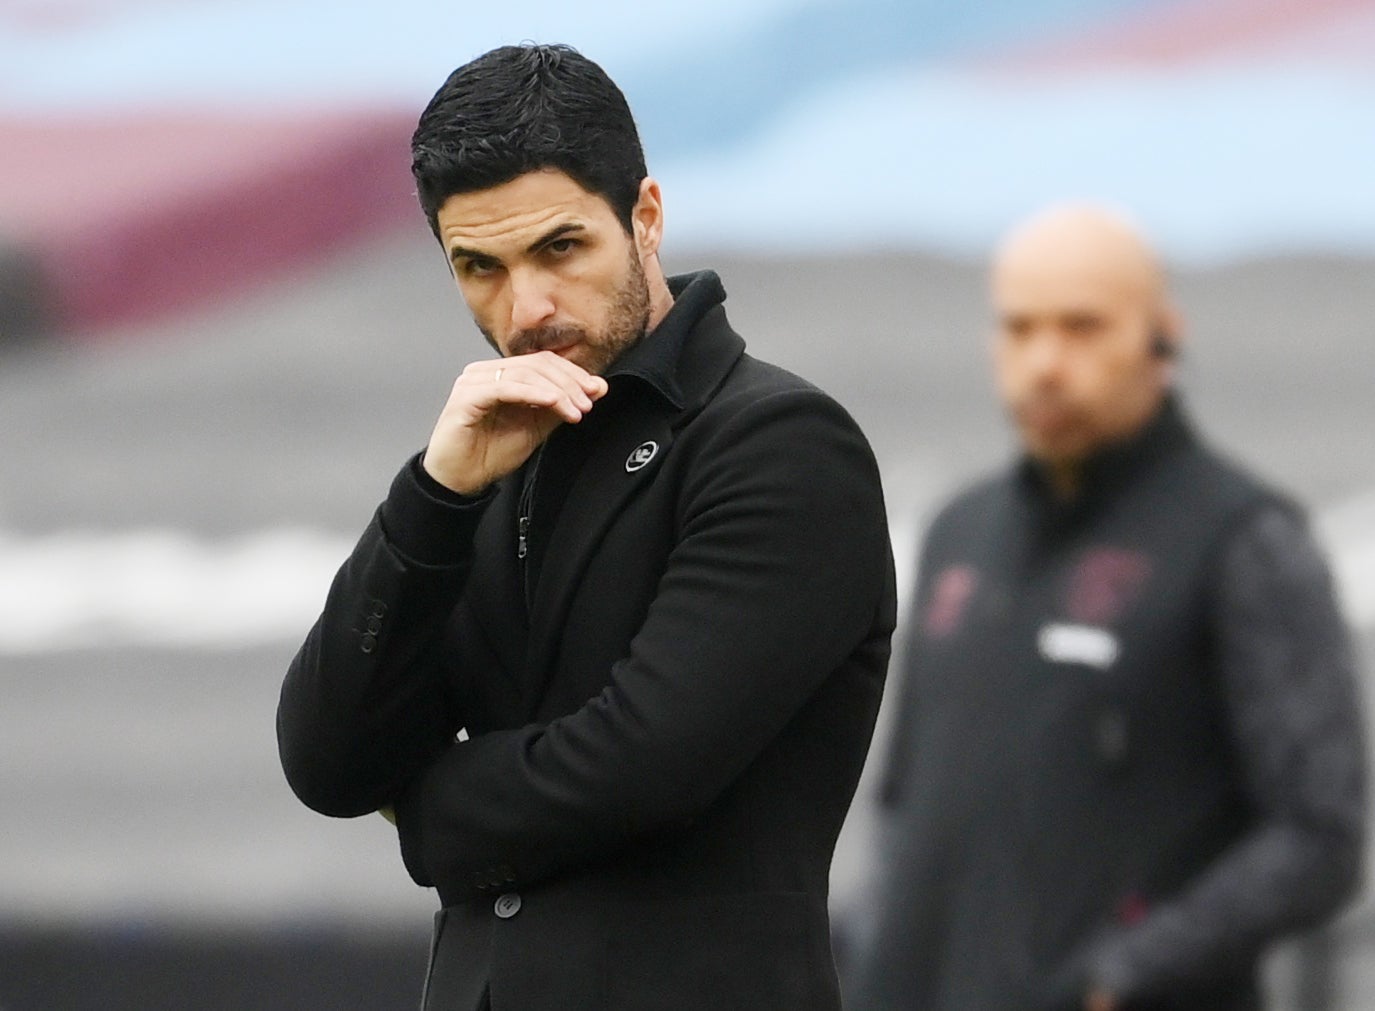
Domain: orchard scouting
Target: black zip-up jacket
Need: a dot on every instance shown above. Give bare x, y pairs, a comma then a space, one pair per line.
1128, 752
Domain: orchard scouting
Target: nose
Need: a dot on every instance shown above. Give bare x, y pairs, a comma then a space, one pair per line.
1044, 354
532, 303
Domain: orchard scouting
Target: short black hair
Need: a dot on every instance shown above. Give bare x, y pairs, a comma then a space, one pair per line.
519, 109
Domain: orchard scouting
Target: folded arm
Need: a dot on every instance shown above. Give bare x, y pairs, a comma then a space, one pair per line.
364, 707
780, 570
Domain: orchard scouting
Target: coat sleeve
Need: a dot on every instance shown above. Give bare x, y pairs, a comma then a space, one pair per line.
363, 706
1291, 704
780, 572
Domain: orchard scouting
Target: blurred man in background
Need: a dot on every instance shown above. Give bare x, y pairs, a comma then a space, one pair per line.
613, 646
1127, 754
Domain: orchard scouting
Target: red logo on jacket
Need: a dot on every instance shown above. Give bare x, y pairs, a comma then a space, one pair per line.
1104, 583
951, 591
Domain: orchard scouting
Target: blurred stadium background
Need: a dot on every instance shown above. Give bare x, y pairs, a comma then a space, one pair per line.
223, 325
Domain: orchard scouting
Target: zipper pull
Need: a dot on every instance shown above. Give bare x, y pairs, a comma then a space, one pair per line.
522, 541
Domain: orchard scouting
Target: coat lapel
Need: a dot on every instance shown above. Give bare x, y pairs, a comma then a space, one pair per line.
624, 460
619, 464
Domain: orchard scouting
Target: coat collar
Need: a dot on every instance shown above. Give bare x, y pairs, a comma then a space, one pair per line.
656, 359
1108, 471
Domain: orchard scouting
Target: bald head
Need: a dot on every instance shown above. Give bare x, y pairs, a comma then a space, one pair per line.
1095, 244
1082, 312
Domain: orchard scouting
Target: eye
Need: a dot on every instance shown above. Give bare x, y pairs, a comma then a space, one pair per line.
560, 248
1015, 327
477, 268
1083, 324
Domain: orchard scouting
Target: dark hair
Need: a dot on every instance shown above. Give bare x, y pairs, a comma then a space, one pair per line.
518, 109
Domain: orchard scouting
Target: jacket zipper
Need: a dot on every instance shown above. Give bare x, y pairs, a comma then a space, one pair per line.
527, 503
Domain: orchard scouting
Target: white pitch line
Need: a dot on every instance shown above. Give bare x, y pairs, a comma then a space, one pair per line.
83, 589
1347, 532
166, 588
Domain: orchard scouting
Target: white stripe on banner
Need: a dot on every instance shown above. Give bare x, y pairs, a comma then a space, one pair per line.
165, 588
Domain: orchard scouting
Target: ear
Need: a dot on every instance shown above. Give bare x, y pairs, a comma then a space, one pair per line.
647, 218
1169, 325
1167, 336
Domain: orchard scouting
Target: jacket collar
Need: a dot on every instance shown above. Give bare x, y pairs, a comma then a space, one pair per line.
655, 361
1112, 468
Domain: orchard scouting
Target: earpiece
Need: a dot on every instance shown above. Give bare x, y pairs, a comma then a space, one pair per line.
1161, 345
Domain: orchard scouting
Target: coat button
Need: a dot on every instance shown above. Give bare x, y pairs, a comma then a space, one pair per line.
374, 624
368, 643
508, 905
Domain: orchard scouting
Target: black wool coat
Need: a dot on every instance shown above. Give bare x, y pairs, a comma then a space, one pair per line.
622, 759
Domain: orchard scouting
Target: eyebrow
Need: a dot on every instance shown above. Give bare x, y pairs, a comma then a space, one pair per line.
457, 253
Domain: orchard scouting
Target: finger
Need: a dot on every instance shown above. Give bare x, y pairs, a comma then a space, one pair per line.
520, 387
551, 364
557, 369
517, 375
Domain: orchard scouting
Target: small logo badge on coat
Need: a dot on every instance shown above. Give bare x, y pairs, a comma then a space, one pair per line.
640, 455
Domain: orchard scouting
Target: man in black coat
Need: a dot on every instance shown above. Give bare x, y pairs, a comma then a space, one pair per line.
611, 650
1128, 752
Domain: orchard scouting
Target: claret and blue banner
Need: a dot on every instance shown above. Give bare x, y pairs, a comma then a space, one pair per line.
157, 154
